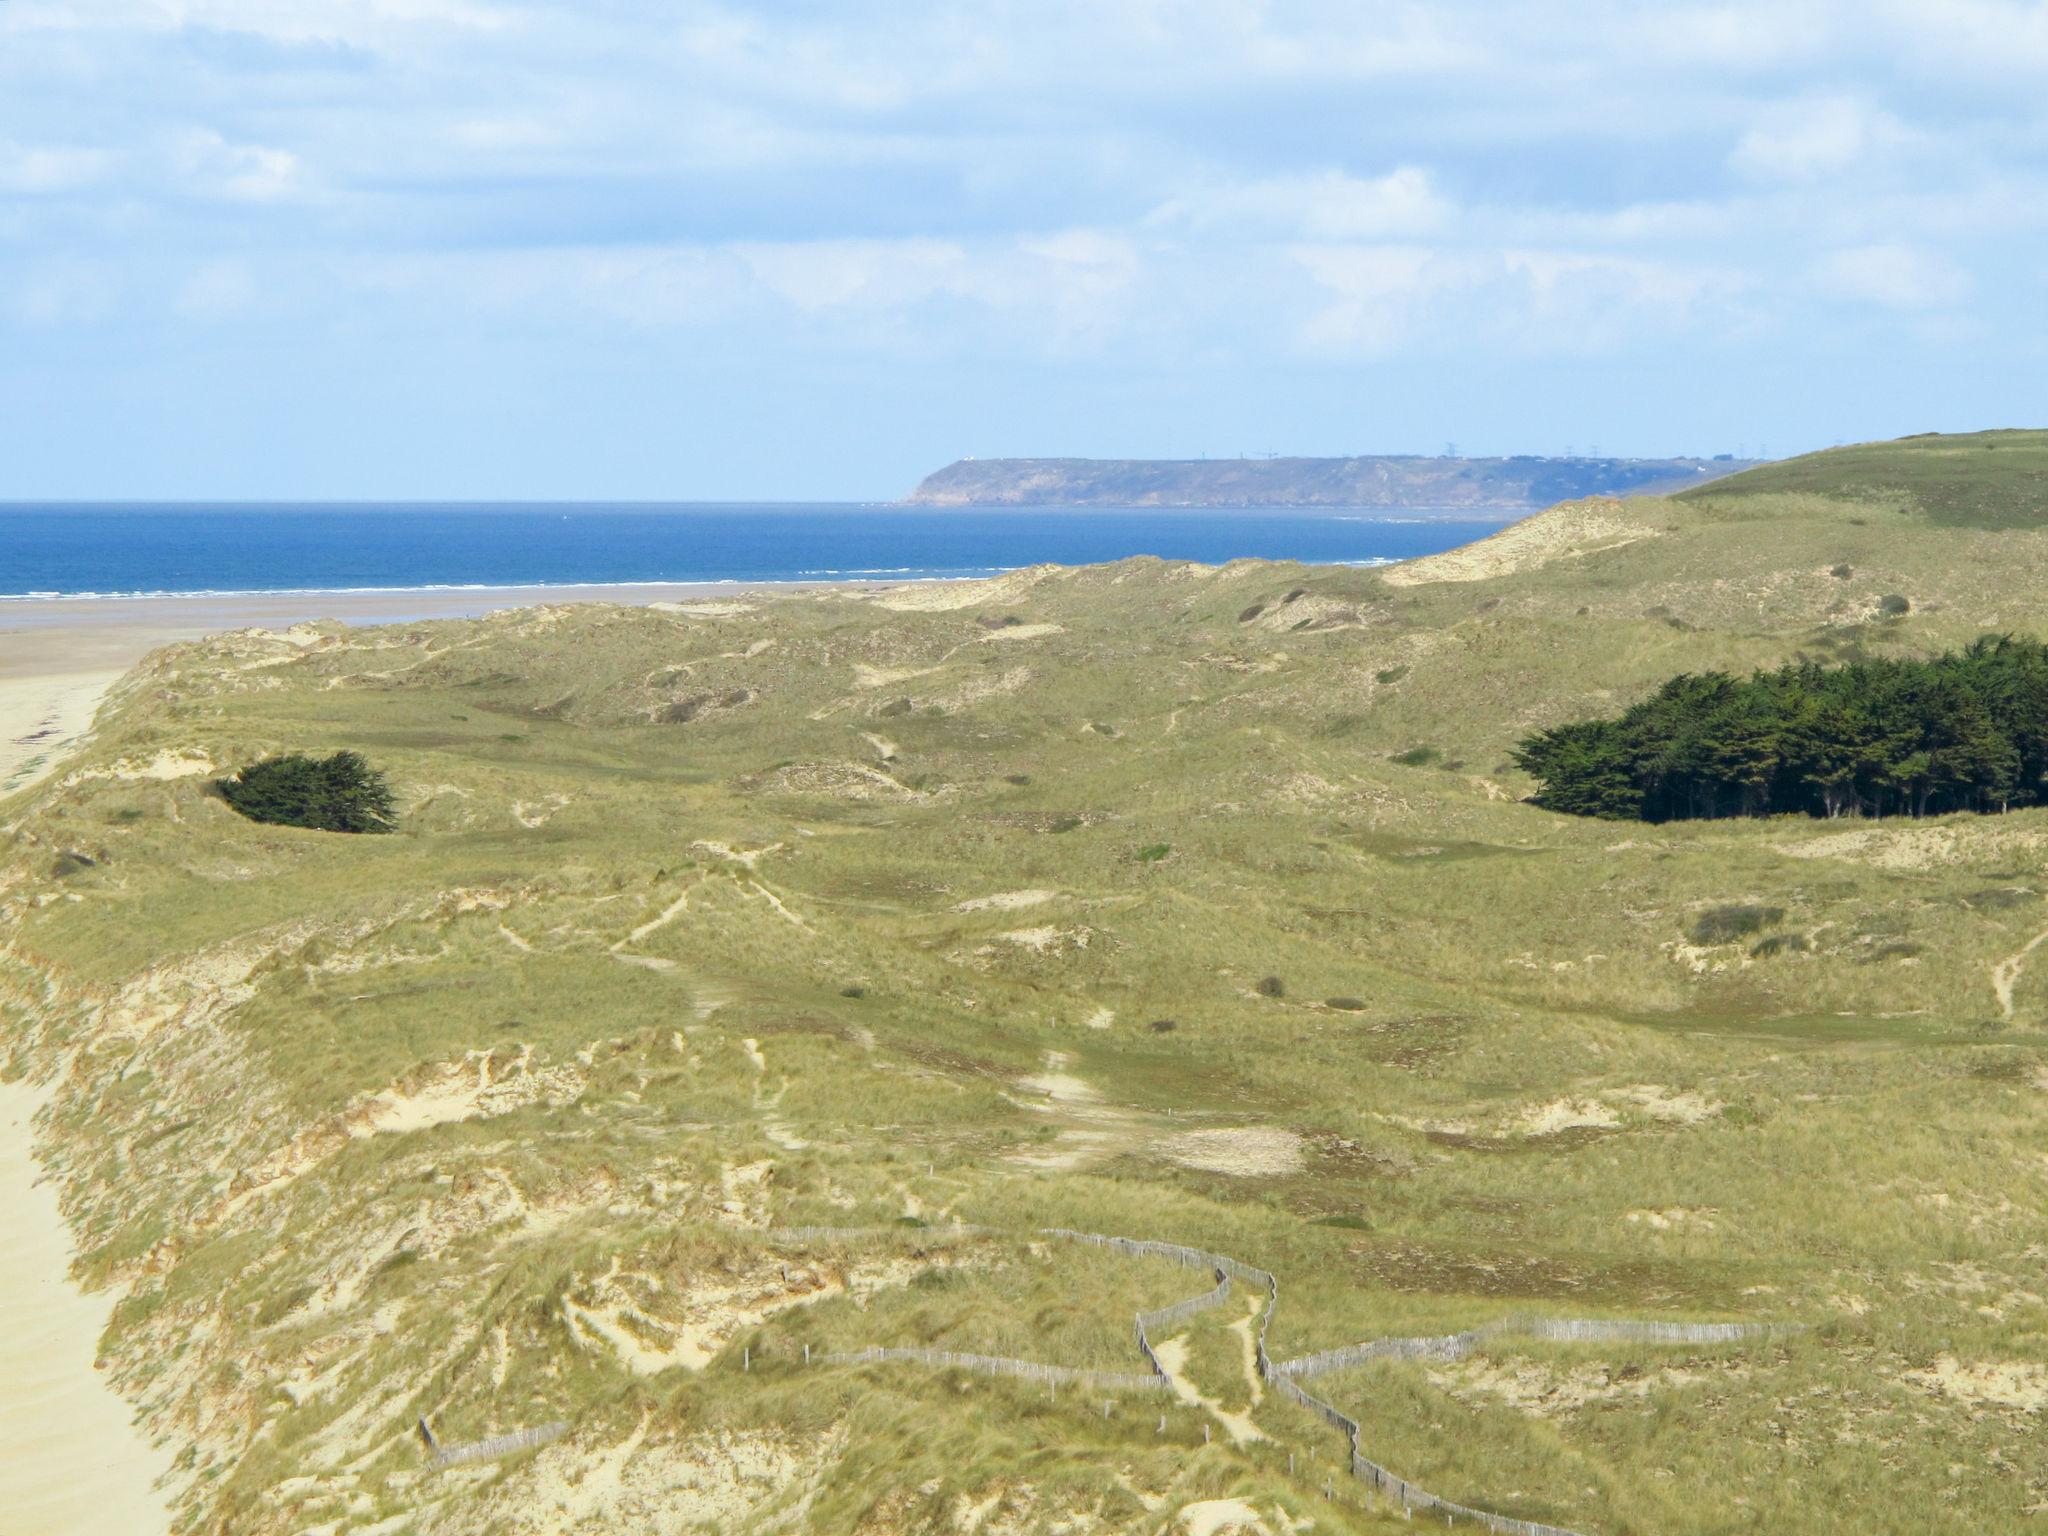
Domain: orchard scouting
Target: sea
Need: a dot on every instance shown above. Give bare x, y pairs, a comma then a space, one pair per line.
80, 552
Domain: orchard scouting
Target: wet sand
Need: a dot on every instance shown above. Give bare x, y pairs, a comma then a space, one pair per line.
58, 658
71, 1461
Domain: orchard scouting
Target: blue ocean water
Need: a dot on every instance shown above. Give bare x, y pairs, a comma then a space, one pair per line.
122, 550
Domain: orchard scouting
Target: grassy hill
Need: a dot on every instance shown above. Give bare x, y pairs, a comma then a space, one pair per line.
1179, 902
1953, 480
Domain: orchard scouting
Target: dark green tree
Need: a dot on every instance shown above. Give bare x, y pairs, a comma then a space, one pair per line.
342, 793
1963, 731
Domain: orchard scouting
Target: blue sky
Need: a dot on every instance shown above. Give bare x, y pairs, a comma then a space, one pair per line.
461, 248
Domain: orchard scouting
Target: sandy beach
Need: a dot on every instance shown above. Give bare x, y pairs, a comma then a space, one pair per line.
58, 657
71, 1461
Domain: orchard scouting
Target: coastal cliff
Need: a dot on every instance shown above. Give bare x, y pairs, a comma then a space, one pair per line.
1375, 480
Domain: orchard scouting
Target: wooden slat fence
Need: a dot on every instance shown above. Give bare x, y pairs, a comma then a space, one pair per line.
1285, 1377
496, 1445
999, 1365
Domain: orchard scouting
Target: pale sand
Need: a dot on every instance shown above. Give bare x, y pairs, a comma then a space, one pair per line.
71, 1461
58, 658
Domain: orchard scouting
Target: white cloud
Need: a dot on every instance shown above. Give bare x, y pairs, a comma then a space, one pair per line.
1806, 140
1324, 205
249, 173
28, 170
1386, 299
1893, 277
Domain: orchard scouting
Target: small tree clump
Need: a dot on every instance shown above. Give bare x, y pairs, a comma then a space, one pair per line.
342, 793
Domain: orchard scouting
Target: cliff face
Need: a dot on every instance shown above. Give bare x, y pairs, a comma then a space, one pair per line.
1390, 481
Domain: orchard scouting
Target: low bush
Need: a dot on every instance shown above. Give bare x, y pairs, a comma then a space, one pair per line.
1724, 925
342, 793
1272, 986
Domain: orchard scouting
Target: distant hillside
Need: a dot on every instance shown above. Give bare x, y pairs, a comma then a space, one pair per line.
1961, 480
1375, 480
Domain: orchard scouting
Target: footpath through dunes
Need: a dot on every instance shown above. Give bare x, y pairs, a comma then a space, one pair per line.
72, 1462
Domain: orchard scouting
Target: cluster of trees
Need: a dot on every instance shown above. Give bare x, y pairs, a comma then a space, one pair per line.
342, 793
1963, 731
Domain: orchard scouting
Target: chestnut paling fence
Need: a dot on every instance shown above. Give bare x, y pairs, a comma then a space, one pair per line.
496, 1445
1285, 1377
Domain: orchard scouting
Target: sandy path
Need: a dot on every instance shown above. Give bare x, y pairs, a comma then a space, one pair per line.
71, 1462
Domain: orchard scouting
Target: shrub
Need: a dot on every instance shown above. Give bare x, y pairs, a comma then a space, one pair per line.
1251, 613
1345, 1004
1723, 925
1392, 674
1155, 853
1416, 757
1892, 605
1272, 986
1163, 1026
1779, 944
1840, 572
342, 793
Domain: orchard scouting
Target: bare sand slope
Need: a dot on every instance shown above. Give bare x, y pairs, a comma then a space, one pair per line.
71, 1461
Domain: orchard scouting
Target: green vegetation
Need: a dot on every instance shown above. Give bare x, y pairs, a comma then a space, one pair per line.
1964, 731
1954, 480
342, 793
501, 1118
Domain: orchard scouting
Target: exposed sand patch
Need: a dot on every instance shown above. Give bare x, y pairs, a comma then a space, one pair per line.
477, 1087
1101, 1018
1563, 1115
1058, 1085
2017, 1384
1566, 532
1684, 1107
865, 676
950, 596
1257, 1151
1214, 1517
1007, 901
166, 765
1543, 1390
538, 816
71, 1461
1045, 940
667, 1488
844, 781
1673, 1217
976, 689
647, 1343
706, 610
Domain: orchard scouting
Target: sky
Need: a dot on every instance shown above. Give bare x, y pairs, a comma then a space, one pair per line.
361, 249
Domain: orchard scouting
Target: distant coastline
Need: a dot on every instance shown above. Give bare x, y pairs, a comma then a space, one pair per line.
1447, 487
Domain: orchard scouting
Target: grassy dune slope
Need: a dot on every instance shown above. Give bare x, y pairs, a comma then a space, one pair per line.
1955, 480
954, 905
